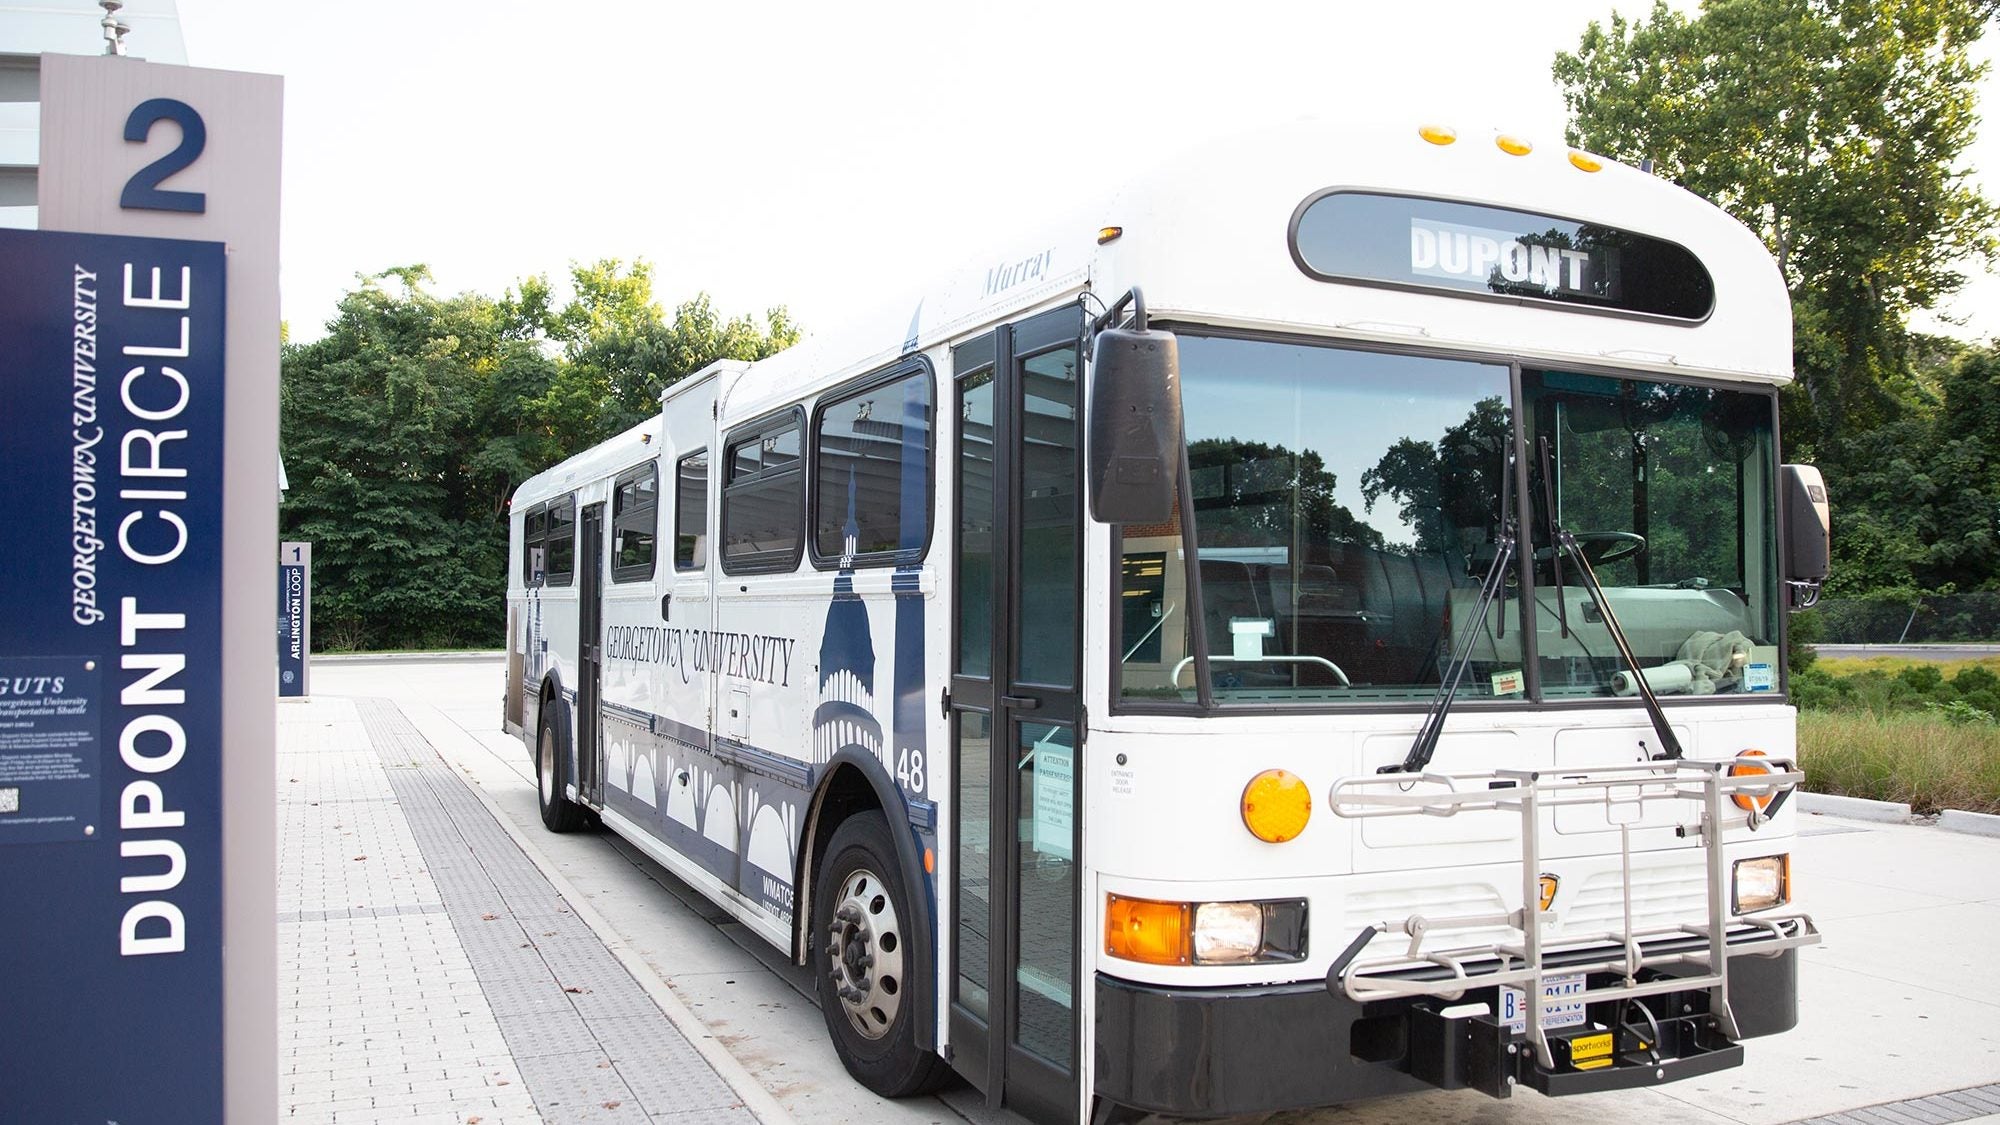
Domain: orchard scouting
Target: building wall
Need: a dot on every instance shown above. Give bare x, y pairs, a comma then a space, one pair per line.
68, 27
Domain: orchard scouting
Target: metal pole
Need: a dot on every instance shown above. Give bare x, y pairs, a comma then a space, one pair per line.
114, 28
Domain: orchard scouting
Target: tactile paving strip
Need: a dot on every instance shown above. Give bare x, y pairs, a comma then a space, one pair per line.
604, 1053
1937, 1109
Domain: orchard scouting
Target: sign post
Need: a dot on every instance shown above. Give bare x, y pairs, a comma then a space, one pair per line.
295, 620
139, 364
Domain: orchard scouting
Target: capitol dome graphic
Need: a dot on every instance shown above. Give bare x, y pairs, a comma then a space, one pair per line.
845, 715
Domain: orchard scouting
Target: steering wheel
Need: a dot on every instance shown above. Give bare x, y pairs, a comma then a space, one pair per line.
1600, 547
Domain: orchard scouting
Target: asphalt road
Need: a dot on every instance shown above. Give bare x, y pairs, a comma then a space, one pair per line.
1901, 1001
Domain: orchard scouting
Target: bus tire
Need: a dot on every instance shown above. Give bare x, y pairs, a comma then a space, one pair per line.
559, 813
860, 962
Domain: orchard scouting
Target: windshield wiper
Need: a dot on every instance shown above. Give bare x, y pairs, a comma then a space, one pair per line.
1489, 589
1563, 541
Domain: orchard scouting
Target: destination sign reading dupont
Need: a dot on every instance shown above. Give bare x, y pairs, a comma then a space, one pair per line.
1462, 253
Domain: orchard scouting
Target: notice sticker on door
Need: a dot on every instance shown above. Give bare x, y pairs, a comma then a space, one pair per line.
1055, 795
1508, 683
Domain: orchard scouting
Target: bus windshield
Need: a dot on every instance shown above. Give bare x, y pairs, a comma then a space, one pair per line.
1667, 488
1347, 507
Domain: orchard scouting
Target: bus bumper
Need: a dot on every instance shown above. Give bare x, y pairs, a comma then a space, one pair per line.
1259, 1049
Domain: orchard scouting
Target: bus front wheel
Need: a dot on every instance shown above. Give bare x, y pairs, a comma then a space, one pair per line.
866, 989
559, 813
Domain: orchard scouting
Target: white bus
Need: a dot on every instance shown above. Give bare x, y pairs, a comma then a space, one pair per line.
1311, 631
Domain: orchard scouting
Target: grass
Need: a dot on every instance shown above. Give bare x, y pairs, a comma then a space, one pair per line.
1894, 665
1926, 760
1892, 729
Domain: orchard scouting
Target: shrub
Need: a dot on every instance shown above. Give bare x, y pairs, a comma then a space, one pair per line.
1958, 711
1974, 678
1922, 678
1986, 699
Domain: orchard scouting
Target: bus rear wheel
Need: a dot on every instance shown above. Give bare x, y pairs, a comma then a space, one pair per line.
559, 813
866, 994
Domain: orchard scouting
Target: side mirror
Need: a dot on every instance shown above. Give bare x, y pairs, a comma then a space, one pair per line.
1808, 524
1135, 426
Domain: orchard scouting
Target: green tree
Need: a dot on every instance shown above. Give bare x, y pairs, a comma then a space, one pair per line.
1835, 129
405, 429
620, 351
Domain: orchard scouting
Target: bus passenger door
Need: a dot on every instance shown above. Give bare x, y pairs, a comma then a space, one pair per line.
590, 654
1015, 713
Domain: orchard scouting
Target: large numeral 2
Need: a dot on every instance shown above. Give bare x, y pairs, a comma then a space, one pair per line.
143, 191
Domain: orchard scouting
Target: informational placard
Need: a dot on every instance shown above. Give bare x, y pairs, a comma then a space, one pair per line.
294, 620
49, 750
142, 960
1055, 795
111, 366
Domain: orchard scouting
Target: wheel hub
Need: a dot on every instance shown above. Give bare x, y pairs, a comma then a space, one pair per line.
865, 954
547, 779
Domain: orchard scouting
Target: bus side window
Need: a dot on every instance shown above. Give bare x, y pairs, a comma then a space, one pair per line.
533, 562
872, 474
634, 518
691, 511
764, 498
562, 542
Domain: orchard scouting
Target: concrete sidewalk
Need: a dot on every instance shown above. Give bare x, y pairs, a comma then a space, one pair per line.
1898, 1008
429, 973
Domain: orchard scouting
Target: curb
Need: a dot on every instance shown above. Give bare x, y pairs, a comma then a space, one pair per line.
1971, 823
756, 1098
1856, 808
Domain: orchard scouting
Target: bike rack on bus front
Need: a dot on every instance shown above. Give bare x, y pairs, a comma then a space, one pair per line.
1627, 952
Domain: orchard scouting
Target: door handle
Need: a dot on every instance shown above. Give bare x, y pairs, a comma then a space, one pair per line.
1021, 702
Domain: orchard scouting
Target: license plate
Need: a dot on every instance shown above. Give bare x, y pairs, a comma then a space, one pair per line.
1555, 1012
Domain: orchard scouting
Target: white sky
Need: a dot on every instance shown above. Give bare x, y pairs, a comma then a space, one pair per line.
818, 155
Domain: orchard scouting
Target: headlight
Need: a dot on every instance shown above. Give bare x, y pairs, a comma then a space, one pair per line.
1228, 932
1762, 883
1204, 933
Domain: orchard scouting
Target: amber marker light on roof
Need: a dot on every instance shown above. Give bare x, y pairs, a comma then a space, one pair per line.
1585, 162
1106, 234
1513, 145
1276, 806
1438, 134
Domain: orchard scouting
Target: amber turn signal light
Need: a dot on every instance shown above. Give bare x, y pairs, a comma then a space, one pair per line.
1276, 806
1746, 765
1140, 929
